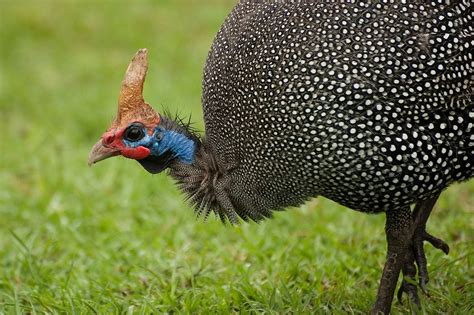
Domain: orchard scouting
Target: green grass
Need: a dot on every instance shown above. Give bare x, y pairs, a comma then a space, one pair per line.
114, 239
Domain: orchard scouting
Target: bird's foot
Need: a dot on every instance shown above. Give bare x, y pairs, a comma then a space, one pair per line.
416, 255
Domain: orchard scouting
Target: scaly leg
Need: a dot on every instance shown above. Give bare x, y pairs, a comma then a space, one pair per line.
399, 231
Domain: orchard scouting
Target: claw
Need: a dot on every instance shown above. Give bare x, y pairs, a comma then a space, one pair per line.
436, 242
410, 290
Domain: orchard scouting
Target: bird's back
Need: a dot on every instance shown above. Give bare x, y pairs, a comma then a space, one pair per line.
369, 104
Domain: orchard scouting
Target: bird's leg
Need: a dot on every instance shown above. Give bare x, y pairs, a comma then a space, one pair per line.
417, 253
398, 229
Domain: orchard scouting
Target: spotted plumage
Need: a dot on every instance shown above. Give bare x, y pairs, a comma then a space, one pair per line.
366, 103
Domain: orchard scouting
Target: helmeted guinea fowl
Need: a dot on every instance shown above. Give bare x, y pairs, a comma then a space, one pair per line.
368, 103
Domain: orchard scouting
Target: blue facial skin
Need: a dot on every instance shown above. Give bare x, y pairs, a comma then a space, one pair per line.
163, 140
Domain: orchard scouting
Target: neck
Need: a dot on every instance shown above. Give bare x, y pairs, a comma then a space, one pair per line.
205, 183
182, 146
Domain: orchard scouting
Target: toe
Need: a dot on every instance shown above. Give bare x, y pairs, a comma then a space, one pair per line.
436, 242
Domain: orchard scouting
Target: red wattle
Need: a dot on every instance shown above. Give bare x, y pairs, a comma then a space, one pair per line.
137, 153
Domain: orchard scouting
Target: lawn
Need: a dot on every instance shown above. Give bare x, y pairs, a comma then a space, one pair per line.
114, 239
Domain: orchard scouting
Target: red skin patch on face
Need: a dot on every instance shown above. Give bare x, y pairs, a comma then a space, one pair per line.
137, 153
113, 140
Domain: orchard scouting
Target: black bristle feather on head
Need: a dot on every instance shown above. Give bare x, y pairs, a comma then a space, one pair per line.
179, 122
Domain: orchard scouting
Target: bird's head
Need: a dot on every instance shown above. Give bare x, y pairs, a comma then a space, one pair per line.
138, 132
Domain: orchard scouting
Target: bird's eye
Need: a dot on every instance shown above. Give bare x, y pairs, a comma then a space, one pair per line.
134, 133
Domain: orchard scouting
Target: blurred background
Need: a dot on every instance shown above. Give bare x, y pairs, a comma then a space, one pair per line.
113, 238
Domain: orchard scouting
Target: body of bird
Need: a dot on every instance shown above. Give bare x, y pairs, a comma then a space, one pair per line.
362, 103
